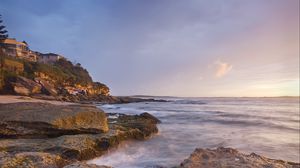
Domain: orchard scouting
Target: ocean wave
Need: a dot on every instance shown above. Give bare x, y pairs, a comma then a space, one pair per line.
266, 118
254, 124
249, 123
110, 106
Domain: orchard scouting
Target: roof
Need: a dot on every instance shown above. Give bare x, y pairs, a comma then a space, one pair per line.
50, 55
12, 41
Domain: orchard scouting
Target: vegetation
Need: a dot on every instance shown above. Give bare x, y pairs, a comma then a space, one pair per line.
74, 74
62, 72
1, 69
3, 32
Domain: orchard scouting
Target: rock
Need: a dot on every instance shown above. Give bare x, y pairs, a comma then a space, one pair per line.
84, 165
31, 160
143, 126
121, 99
126, 99
150, 117
20, 89
57, 152
228, 157
98, 88
24, 86
29, 120
47, 88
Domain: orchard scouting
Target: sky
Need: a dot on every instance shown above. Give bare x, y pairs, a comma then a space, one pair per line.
191, 48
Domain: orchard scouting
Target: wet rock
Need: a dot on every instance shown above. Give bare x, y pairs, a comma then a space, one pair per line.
150, 117
143, 124
37, 120
126, 99
121, 99
228, 157
84, 165
57, 152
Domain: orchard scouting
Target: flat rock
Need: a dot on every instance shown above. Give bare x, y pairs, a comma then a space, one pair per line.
67, 150
228, 157
29, 120
30, 160
84, 165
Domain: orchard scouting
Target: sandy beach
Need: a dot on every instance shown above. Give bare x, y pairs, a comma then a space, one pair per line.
17, 99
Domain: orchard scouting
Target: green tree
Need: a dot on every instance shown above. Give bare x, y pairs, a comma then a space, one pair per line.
3, 32
1, 69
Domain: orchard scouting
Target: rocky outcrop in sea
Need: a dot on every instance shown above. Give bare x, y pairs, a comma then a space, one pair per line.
228, 157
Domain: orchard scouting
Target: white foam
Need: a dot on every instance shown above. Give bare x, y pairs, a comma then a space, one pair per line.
220, 122
109, 106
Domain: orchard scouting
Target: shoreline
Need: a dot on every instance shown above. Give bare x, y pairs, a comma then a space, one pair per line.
74, 144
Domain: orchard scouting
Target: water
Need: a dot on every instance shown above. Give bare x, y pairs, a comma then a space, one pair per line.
266, 126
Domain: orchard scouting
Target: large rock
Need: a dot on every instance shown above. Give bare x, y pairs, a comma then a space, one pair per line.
228, 157
67, 149
144, 124
47, 87
29, 120
24, 86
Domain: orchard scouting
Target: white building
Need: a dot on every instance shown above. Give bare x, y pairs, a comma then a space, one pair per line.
49, 58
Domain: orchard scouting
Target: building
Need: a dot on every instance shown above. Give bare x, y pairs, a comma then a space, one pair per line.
14, 48
49, 58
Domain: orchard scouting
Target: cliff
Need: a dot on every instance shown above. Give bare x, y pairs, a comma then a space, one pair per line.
60, 80
55, 80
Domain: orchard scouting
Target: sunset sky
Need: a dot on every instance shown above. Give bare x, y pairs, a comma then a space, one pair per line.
169, 47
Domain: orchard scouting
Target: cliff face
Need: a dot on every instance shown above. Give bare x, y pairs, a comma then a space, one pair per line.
61, 78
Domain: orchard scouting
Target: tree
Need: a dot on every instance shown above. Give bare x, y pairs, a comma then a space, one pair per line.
3, 32
1, 69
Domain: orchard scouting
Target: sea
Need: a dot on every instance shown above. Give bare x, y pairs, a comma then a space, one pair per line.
265, 126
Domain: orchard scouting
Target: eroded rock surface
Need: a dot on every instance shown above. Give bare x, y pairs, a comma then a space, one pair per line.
47, 87
25, 150
228, 157
24, 86
28, 120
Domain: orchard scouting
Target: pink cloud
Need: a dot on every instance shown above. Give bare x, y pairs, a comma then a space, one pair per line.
222, 68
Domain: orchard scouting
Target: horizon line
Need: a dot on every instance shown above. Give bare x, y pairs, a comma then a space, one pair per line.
215, 96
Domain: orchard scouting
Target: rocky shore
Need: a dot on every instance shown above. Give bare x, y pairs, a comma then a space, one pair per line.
56, 134
228, 157
95, 99
35, 134
85, 99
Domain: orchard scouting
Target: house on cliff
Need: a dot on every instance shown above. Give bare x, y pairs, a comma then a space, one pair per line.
12, 47
48, 58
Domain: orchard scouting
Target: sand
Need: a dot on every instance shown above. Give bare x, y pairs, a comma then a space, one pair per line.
16, 99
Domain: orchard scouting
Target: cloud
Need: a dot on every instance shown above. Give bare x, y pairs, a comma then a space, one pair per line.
222, 68
113, 38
